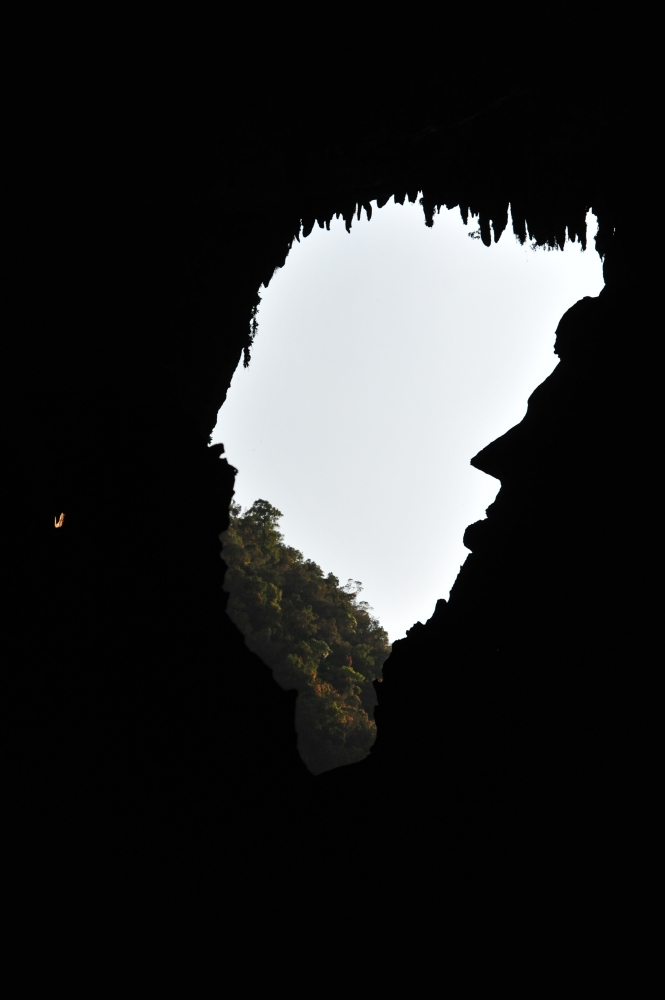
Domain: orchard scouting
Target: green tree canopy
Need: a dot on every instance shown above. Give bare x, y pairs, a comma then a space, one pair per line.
316, 635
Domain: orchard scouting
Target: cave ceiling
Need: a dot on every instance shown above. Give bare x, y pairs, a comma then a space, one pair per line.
481, 142
153, 215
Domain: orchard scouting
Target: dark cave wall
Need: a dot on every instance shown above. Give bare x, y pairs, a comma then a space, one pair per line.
134, 282
537, 654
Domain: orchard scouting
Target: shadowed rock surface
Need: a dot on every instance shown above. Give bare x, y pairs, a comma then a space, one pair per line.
138, 244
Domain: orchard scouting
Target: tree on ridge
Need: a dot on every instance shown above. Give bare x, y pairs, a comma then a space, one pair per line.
317, 636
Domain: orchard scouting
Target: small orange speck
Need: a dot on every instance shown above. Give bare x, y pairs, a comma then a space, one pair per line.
59, 521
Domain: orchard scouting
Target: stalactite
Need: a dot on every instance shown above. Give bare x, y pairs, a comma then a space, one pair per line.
499, 221
308, 224
485, 234
519, 223
429, 207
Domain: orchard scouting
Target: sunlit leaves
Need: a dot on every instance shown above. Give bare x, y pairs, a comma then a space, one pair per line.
315, 635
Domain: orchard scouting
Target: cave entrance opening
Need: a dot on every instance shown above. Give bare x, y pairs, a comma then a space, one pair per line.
386, 358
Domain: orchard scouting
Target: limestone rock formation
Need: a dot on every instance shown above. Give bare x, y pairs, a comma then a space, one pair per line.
139, 243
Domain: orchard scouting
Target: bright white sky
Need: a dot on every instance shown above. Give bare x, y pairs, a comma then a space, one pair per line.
386, 359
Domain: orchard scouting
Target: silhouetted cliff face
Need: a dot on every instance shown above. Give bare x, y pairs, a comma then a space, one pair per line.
543, 681
139, 245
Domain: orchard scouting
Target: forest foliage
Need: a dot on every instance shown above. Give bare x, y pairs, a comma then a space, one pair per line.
318, 637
